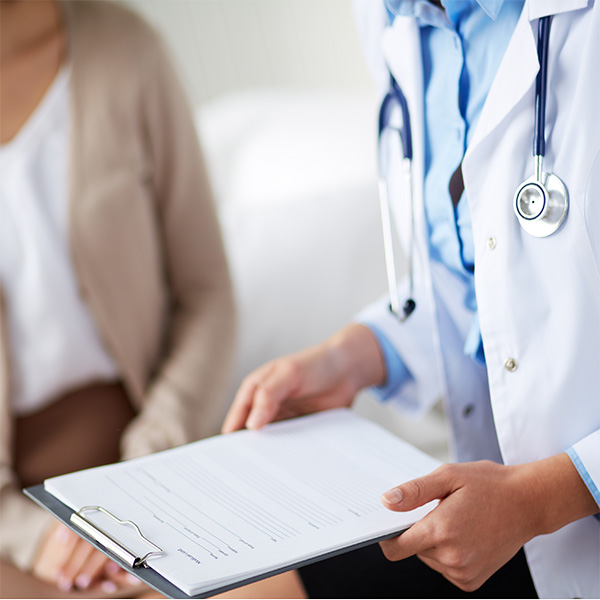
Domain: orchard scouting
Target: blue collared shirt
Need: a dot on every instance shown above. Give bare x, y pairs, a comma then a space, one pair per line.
461, 49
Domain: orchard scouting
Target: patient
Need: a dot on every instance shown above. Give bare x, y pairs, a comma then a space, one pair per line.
116, 309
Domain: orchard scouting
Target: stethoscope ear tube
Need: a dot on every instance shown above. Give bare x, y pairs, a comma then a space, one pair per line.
541, 86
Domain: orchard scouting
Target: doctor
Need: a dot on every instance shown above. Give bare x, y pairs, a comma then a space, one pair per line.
506, 324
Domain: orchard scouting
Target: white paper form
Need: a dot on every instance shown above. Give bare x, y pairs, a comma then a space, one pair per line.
247, 503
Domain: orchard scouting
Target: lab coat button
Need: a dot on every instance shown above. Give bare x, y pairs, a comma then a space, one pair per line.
510, 364
467, 410
491, 243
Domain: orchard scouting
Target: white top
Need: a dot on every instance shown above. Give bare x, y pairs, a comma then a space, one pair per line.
53, 340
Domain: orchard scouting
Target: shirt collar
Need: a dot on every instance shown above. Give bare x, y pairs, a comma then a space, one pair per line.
422, 9
490, 7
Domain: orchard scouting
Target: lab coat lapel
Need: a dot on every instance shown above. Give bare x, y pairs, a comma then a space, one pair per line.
542, 8
519, 67
514, 78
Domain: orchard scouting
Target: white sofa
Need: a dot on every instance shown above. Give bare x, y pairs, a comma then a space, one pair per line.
294, 178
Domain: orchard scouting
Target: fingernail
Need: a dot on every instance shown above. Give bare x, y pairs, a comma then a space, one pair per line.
83, 581
112, 568
109, 587
62, 535
256, 418
65, 584
393, 496
132, 578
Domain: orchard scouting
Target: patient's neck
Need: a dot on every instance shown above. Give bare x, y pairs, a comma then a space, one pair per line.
25, 25
32, 48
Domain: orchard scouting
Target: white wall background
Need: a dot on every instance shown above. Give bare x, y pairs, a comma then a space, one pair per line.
286, 113
224, 46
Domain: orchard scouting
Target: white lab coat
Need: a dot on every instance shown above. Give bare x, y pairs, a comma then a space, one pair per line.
538, 299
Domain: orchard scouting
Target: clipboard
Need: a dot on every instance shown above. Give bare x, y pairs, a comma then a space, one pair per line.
137, 566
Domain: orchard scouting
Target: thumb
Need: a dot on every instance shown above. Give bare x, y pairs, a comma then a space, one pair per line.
420, 491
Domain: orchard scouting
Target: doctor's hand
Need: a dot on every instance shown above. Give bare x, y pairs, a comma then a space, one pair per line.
324, 376
486, 513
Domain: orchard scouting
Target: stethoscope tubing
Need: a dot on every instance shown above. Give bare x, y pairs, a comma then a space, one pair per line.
541, 86
394, 97
395, 94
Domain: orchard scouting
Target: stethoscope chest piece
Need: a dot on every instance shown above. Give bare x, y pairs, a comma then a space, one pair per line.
541, 204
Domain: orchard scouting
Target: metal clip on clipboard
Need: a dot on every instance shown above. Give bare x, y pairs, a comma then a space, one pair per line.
109, 542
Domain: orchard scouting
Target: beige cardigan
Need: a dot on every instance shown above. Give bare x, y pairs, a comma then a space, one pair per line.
146, 247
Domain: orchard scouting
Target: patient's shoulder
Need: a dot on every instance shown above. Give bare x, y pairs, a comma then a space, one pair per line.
109, 29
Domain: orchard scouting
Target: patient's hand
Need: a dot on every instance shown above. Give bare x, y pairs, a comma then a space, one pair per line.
71, 563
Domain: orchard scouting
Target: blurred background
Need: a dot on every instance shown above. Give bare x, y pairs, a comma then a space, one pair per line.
286, 112
228, 46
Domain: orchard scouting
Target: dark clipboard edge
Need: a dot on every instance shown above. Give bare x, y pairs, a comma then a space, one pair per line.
156, 581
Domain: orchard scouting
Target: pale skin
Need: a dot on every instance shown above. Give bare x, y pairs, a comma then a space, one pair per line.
72, 564
486, 511
32, 49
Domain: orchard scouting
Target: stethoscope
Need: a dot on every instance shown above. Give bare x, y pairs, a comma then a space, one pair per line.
393, 98
541, 202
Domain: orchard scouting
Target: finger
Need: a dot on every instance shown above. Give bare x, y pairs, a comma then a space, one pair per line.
71, 568
432, 563
121, 577
420, 491
441, 568
267, 401
457, 576
244, 399
55, 552
65, 537
240, 407
452, 574
415, 540
278, 384
91, 570
113, 570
